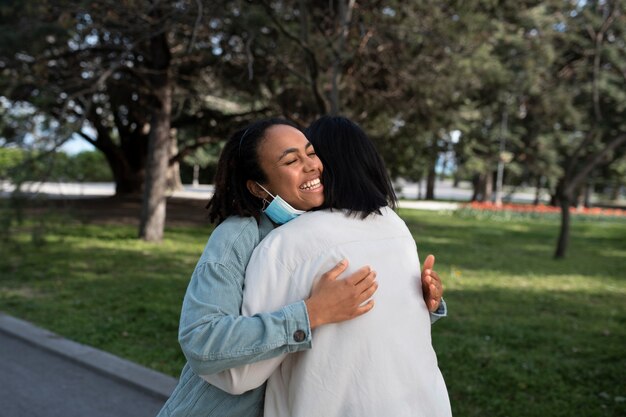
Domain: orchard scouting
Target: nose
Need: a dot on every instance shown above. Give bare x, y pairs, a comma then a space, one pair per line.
313, 164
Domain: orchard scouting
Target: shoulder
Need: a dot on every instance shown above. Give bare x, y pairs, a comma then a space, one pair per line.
305, 225
235, 224
301, 237
236, 236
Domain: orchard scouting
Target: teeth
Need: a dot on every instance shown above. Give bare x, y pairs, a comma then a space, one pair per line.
309, 185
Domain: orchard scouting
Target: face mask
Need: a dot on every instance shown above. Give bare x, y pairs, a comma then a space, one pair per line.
279, 211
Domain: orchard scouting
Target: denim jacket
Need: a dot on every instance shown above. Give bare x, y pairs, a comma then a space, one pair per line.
214, 336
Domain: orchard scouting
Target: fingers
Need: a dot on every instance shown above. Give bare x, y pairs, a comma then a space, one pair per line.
364, 308
432, 289
429, 262
437, 284
359, 275
366, 282
367, 287
336, 270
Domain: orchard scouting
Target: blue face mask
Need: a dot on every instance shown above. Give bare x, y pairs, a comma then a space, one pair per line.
279, 211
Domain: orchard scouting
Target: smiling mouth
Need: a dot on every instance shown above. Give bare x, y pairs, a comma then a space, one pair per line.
311, 185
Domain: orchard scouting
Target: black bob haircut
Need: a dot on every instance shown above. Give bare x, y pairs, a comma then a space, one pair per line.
355, 178
238, 163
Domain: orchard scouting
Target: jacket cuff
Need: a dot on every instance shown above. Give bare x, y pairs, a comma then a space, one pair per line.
297, 327
441, 312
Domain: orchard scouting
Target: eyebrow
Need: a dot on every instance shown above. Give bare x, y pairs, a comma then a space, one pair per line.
292, 150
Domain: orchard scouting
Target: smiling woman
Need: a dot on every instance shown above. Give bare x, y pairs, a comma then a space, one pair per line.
292, 169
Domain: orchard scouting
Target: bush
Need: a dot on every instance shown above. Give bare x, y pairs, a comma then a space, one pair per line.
19, 165
90, 166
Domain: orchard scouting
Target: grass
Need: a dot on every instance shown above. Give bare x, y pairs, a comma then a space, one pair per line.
101, 286
526, 336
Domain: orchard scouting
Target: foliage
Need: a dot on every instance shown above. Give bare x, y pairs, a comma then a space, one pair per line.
546, 337
9, 159
89, 166
19, 165
539, 84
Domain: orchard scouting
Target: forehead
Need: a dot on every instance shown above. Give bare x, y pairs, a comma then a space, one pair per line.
279, 138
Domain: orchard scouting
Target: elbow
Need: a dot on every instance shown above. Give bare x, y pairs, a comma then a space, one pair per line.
235, 389
198, 359
231, 381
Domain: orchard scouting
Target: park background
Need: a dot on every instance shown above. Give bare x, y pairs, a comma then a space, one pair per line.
499, 97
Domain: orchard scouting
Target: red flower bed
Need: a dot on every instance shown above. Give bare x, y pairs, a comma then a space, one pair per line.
541, 208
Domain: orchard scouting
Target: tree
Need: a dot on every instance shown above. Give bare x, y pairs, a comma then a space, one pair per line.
591, 68
118, 74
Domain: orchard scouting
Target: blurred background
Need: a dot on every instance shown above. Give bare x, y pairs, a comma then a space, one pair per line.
459, 89
517, 106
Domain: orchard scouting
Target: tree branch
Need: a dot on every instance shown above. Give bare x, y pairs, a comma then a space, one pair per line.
198, 143
194, 33
592, 162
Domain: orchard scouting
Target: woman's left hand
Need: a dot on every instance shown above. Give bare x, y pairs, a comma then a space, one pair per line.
431, 285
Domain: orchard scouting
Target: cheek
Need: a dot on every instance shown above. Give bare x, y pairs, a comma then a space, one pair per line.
283, 182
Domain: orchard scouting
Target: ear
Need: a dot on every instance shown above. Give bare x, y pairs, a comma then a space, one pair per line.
255, 189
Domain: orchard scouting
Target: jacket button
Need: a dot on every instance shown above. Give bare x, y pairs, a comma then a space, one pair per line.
299, 336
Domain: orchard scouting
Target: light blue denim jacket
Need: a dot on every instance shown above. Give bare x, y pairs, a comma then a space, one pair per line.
214, 336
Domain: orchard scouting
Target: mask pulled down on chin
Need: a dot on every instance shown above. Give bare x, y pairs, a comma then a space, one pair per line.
279, 211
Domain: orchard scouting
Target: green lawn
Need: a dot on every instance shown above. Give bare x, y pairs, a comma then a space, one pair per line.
526, 336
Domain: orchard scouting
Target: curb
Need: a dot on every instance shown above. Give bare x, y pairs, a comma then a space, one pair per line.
147, 380
428, 205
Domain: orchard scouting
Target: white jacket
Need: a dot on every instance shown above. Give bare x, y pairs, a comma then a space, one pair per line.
379, 364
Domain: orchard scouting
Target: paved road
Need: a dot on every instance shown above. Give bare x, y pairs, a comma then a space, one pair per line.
444, 190
43, 375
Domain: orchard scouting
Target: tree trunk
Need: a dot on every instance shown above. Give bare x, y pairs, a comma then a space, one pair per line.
588, 191
488, 191
569, 183
174, 183
154, 198
152, 221
128, 181
126, 159
343, 22
562, 243
430, 182
477, 186
579, 199
310, 58
538, 190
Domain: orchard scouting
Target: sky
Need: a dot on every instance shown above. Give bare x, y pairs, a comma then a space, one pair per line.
76, 145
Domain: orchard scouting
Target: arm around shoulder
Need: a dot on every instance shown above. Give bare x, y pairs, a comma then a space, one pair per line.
214, 336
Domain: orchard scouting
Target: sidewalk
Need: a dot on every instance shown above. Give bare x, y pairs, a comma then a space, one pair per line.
44, 375
202, 192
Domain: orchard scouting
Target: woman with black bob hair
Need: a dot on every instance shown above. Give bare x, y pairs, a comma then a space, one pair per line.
363, 188
382, 363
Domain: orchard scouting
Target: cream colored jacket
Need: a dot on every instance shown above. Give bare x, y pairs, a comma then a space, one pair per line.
379, 364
